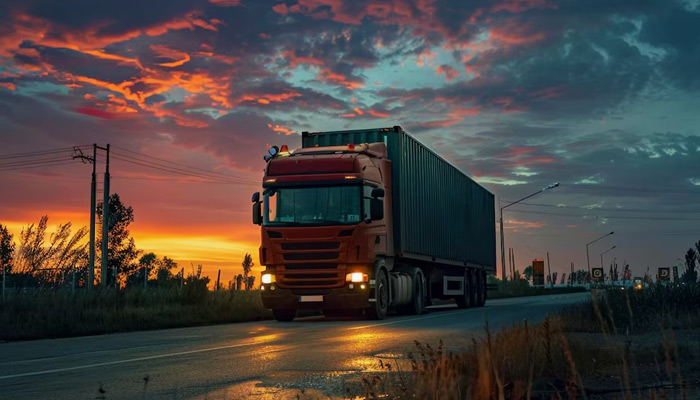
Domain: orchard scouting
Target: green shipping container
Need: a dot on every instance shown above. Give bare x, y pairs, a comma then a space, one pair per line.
440, 213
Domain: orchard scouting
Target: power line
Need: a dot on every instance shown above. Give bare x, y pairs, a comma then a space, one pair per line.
166, 179
178, 171
609, 188
40, 153
607, 209
39, 166
31, 162
179, 164
606, 216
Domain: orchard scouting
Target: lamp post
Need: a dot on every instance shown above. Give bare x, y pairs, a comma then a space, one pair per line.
601, 260
588, 257
503, 248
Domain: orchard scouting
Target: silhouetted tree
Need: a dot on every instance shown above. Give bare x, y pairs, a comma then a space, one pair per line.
527, 273
122, 252
250, 282
247, 266
164, 271
7, 250
147, 262
690, 274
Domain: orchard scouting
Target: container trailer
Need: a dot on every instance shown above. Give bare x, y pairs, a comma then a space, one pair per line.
363, 221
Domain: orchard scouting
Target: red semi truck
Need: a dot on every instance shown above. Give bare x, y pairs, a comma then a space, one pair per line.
362, 221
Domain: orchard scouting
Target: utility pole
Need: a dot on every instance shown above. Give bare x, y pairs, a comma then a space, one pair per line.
105, 222
549, 272
503, 249
515, 269
77, 153
4, 276
218, 277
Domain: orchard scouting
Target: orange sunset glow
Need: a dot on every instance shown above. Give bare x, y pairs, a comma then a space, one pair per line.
190, 95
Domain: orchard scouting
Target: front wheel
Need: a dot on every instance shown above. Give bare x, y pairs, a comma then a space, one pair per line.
284, 315
381, 289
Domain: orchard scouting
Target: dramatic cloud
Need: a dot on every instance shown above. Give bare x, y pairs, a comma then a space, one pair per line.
599, 95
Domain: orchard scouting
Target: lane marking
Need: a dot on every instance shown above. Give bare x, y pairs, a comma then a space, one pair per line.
441, 314
531, 299
180, 353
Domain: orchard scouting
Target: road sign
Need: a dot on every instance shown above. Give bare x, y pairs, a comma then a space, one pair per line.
664, 274
598, 275
538, 272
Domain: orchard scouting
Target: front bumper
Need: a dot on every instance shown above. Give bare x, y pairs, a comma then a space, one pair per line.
336, 299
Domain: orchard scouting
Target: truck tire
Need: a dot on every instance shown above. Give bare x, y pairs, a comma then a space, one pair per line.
481, 288
284, 315
379, 308
417, 304
468, 298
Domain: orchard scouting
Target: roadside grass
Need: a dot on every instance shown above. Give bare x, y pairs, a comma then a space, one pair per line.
53, 314
622, 344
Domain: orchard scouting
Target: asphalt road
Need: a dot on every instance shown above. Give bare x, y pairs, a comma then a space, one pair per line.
258, 360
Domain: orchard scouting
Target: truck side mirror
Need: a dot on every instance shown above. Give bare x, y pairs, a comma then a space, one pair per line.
376, 208
377, 192
257, 209
257, 213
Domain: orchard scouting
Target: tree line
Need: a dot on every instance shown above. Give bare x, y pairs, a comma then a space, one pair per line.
60, 259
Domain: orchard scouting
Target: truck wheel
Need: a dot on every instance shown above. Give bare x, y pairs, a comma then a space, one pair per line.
417, 304
465, 300
481, 288
473, 288
284, 315
381, 289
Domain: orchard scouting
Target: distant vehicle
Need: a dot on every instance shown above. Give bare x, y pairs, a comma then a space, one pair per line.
637, 284
364, 220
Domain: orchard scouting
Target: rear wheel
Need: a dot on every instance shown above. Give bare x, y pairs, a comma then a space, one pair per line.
381, 289
465, 299
481, 288
417, 304
284, 315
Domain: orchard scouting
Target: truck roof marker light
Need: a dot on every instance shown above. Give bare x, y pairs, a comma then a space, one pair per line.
270, 180
350, 177
351, 146
284, 149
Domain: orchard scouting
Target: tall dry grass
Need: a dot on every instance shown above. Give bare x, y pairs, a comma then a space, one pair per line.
622, 344
52, 314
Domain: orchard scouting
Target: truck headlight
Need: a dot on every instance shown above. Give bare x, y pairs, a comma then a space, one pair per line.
356, 277
268, 278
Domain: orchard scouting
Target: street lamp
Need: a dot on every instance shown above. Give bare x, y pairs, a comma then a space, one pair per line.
588, 258
503, 247
601, 259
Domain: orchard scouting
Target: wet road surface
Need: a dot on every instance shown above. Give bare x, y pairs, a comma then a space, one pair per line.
257, 360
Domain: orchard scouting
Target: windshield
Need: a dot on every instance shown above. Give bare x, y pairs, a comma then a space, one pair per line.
317, 205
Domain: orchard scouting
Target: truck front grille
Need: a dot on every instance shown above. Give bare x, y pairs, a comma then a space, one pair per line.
311, 266
311, 246
310, 256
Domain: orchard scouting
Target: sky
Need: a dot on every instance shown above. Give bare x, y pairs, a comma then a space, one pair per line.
601, 96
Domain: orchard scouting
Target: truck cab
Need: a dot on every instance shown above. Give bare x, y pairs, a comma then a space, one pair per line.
324, 223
